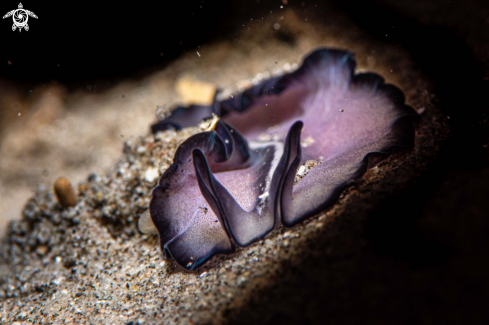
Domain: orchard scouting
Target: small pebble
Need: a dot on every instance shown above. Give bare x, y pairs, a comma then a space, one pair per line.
64, 192
42, 250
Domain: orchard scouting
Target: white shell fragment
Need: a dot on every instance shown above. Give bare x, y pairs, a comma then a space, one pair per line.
145, 224
264, 196
151, 174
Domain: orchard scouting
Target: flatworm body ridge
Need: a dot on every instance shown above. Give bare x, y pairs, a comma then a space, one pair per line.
231, 186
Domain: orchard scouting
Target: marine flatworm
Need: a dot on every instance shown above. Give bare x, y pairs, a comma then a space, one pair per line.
234, 184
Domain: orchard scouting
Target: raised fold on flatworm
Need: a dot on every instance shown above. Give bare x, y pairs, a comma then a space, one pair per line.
233, 185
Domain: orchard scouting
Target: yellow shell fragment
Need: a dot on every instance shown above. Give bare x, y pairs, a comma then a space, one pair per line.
209, 124
195, 92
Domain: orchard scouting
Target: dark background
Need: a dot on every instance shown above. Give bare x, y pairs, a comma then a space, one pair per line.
73, 43
101, 41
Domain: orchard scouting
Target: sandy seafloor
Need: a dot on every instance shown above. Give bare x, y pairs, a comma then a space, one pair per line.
89, 264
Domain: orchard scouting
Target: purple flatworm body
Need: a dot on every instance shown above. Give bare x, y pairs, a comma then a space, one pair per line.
231, 186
